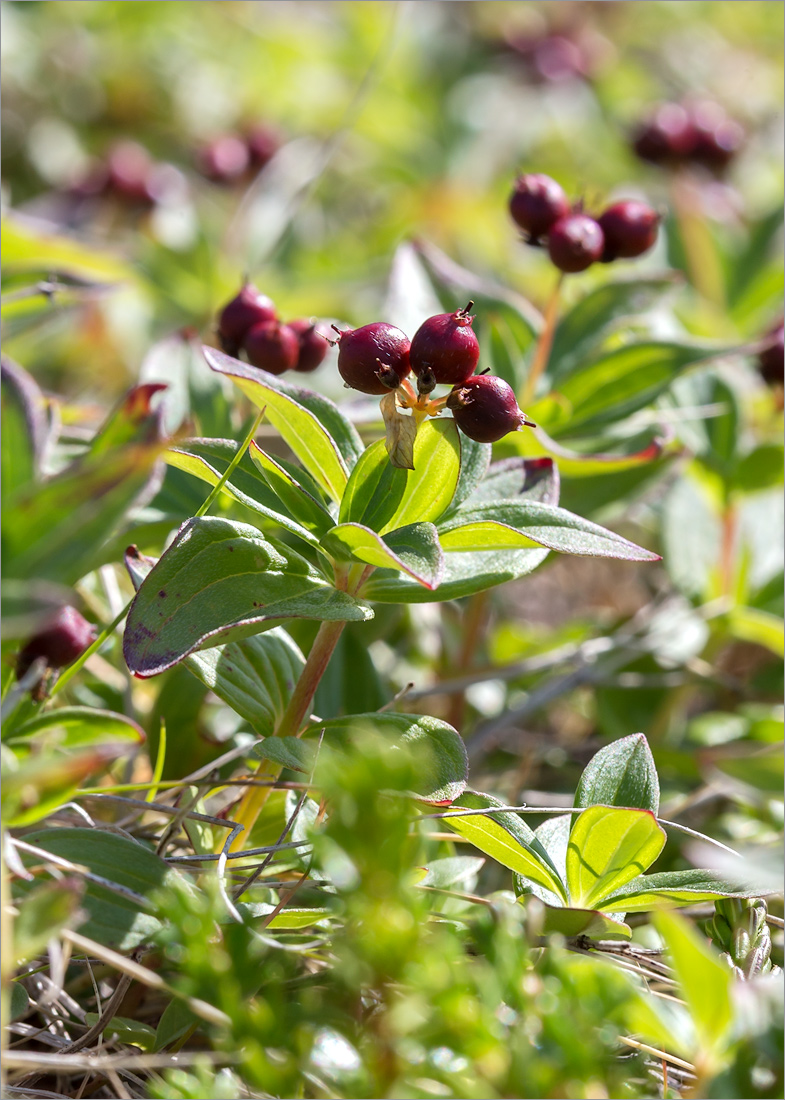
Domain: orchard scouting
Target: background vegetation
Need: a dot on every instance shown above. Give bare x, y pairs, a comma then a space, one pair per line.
401, 129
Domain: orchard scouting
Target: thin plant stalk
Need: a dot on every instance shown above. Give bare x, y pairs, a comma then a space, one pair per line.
544, 345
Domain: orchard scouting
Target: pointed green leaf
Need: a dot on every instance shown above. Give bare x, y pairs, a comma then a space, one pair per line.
464, 574
255, 677
448, 765
413, 550
532, 479
300, 428
75, 727
513, 524
304, 507
621, 774
199, 467
584, 327
670, 889
507, 839
704, 979
608, 848
221, 581
289, 752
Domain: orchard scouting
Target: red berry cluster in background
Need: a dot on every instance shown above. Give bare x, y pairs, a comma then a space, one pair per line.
63, 638
575, 240
379, 357
699, 134
130, 176
771, 360
230, 158
250, 323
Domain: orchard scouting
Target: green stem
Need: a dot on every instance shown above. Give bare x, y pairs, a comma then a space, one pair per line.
246, 443
542, 354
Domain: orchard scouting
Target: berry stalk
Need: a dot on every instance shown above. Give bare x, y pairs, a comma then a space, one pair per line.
544, 345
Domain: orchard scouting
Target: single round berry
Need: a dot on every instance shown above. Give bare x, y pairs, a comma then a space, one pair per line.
313, 345
575, 243
537, 203
373, 359
224, 159
771, 361
262, 144
717, 137
128, 167
272, 346
64, 637
246, 309
485, 409
447, 346
668, 137
629, 229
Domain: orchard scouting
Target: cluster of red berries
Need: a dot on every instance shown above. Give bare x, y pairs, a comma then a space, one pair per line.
131, 176
250, 323
698, 134
230, 158
64, 637
771, 360
548, 57
378, 358
575, 240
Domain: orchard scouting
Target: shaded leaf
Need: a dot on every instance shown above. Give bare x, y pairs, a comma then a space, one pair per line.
304, 507
670, 889
583, 922
289, 752
72, 727
221, 581
464, 574
24, 428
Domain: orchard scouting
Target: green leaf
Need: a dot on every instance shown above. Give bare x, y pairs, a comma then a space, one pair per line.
621, 774
464, 574
76, 727
289, 752
414, 550
608, 848
626, 379
221, 581
176, 1020
123, 1030
23, 430
761, 627
287, 920
532, 479
670, 889
305, 508
451, 871
513, 524
582, 922
119, 910
576, 464
19, 1001
384, 497
32, 246
507, 839
585, 326
300, 428
704, 979
446, 767
255, 677
760, 469
43, 913
199, 467
475, 459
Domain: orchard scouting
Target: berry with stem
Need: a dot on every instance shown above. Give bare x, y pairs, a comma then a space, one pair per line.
485, 409
373, 359
536, 204
313, 344
445, 349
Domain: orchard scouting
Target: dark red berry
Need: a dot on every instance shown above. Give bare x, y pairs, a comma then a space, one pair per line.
224, 159
668, 137
485, 408
575, 243
272, 346
313, 345
262, 144
537, 203
629, 229
373, 359
65, 636
717, 137
128, 167
771, 361
447, 347
246, 309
